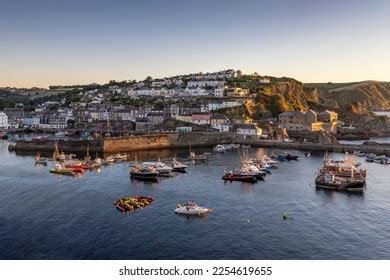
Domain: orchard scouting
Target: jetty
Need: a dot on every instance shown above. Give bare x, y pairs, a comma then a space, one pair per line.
375, 148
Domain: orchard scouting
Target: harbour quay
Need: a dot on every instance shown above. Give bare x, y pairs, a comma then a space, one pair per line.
186, 140
128, 143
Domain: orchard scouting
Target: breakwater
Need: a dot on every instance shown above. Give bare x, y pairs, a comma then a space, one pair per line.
128, 143
380, 149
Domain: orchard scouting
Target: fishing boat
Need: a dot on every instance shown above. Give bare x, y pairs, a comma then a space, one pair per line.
360, 154
380, 159
75, 165
252, 169
219, 149
87, 165
144, 173
281, 158
227, 146
235, 146
245, 146
289, 157
191, 209
178, 166
346, 167
97, 162
333, 182
58, 169
161, 167
109, 160
244, 171
120, 157
237, 176
200, 157
39, 159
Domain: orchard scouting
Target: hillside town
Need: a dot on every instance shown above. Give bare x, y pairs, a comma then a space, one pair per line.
194, 102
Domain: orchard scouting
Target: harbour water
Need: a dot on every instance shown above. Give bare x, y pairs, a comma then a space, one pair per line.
46, 216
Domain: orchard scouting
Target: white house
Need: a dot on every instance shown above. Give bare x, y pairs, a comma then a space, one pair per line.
216, 106
195, 91
178, 82
231, 103
219, 92
224, 127
131, 92
3, 120
158, 83
206, 83
249, 131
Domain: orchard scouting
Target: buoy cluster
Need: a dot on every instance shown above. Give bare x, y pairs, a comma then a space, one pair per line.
128, 204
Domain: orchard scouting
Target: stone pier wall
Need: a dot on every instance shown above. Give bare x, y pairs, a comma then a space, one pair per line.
66, 146
129, 143
163, 141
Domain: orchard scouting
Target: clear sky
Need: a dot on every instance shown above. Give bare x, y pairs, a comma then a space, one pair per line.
51, 42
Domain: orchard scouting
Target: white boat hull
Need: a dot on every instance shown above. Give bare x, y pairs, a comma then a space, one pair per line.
192, 211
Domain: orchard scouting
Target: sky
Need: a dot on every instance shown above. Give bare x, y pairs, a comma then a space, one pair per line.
68, 42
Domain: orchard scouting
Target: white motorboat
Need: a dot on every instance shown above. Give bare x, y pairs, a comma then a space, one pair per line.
219, 149
191, 209
161, 167
119, 157
178, 166
109, 160
200, 157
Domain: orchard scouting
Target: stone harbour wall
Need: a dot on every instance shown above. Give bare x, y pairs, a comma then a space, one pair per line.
129, 143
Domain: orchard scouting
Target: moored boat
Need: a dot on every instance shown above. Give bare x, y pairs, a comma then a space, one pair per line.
178, 166
200, 157
333, 182
75, 165
237, 176
58, 169
191, 209
40, 160
144, 173
219, 149
161, 167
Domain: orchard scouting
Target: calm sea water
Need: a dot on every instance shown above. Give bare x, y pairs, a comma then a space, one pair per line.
44, 216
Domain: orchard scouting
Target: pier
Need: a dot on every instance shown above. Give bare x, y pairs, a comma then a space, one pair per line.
380, 149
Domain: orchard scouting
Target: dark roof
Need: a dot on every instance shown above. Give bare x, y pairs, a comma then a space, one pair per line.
290, 113
155, 114
247, 126
219, 117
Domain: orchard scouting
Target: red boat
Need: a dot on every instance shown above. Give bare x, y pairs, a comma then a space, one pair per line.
232, 176
87, 166
75, 168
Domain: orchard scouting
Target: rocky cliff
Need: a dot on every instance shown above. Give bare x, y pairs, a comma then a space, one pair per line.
283, 94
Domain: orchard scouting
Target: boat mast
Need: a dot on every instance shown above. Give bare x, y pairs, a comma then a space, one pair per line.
108, 124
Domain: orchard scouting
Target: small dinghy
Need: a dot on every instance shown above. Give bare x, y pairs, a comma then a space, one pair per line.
58, 169
40, 160
191, 209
